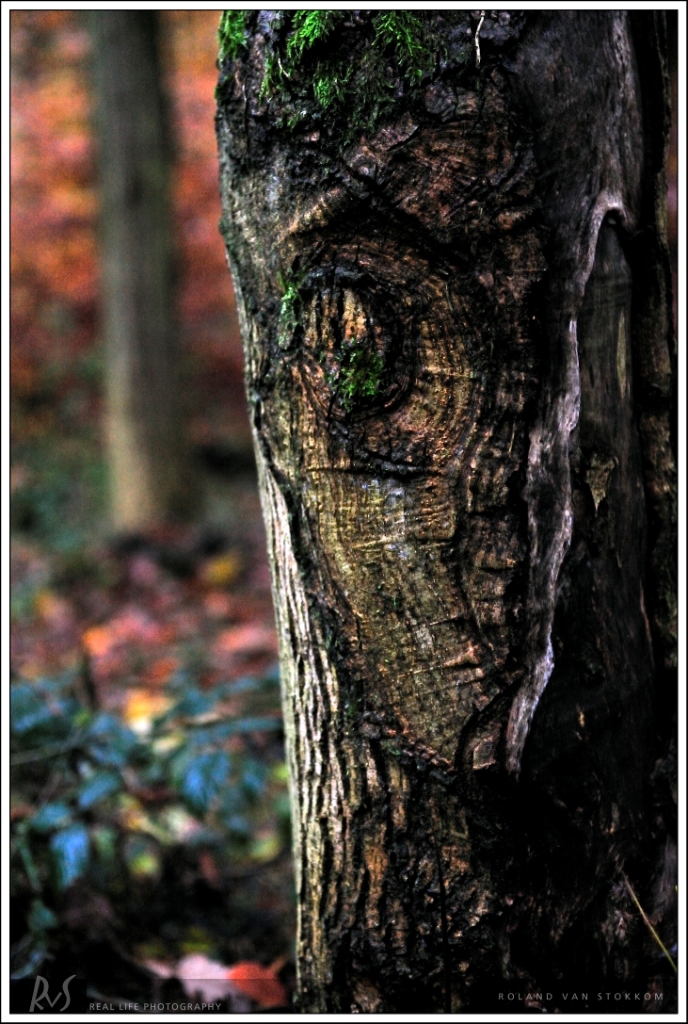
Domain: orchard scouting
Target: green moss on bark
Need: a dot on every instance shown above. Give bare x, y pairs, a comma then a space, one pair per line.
405, 33
231, 34
290, 309
309, 28
360, 375
313, 59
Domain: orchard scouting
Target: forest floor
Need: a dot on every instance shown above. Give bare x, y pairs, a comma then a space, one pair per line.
150, 820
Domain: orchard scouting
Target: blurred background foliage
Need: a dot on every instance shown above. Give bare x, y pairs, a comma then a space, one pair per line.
56, 354
149, 809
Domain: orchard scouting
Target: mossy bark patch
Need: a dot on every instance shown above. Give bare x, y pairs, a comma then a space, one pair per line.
355, 67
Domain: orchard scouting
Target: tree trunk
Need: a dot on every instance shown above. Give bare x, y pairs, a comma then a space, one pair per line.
147, 453
447, 240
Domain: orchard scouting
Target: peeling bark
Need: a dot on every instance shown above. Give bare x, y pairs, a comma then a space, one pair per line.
462, 405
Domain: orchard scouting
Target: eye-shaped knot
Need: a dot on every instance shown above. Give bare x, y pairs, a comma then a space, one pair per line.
358, 356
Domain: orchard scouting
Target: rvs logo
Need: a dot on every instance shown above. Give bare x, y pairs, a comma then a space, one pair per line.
39, 996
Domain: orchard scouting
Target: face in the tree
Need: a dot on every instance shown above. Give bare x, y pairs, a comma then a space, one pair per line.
395, 412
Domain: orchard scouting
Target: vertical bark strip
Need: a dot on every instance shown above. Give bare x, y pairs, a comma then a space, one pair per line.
460, 472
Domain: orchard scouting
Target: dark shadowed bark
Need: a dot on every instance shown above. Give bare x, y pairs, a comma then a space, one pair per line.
455, 305
149, 467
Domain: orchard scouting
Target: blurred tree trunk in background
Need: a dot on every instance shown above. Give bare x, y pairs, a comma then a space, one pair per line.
147, 448
459, 360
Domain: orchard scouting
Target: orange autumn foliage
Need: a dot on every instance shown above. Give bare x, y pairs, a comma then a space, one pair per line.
54, 202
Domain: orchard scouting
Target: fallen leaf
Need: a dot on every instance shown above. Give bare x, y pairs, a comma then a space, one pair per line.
259, 983
143, 572
134, 624
55, 611
209, 869
21, 811
218, 605
179, 823
159, 968
160, 671
245, 640
204, 978
265, 846
142, 707
222, 570
169, 742
98, 640
132, 814
19, 475
142, 858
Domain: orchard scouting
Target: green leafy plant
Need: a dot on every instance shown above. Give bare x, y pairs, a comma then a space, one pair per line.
94, 801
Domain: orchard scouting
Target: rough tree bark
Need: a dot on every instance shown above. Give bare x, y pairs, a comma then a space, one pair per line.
455, 305
148, 455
